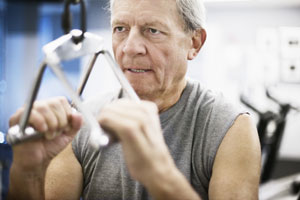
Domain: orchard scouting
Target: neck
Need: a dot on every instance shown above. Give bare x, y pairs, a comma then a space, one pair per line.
170, 98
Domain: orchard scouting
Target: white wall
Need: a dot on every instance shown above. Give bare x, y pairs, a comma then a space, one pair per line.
243, 54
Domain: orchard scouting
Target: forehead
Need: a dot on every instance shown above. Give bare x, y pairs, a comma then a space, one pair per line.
162, 10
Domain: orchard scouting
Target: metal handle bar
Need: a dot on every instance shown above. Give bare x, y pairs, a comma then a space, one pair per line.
65, 49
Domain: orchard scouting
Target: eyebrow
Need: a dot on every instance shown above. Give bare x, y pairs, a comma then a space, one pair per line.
155, 23
118, 22
150, 23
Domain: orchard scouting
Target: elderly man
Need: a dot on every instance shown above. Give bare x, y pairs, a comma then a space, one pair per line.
181, 142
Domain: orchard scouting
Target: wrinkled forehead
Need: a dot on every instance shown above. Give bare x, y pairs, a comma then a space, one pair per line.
164, 9
168, 5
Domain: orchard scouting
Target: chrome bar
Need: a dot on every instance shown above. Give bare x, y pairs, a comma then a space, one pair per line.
87, 74
59, 50
120, 75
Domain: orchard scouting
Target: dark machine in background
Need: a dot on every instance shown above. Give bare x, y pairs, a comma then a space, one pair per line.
270, 127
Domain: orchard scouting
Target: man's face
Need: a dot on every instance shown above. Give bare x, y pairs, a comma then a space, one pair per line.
151, 46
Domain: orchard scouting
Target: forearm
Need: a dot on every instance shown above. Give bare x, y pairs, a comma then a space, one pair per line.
172, 185
26, 184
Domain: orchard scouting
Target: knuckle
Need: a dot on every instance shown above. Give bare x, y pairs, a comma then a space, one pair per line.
54, 102
134, 126
54, 105
41, 107
63, 100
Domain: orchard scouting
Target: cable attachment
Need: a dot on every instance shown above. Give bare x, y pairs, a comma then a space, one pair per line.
67, 19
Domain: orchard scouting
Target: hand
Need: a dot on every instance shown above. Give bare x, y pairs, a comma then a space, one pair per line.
137, 126
53, 117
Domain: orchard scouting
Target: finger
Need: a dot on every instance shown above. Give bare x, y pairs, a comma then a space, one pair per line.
64, 102
15, 118
60, 113
49, 116
38, 121
147, 107
150, 106
152, 112
144, 113
75, 124
125, 129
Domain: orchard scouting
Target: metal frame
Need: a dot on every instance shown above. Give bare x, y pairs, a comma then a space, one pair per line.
61, 49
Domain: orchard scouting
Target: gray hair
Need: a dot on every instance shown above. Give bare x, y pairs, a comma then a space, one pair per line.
193, 14
191, 11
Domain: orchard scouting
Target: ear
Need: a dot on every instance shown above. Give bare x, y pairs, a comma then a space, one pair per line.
198, 39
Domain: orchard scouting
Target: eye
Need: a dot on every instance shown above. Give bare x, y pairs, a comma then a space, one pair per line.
154, 31
119, 29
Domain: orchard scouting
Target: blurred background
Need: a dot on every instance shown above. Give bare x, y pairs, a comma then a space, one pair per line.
252, 46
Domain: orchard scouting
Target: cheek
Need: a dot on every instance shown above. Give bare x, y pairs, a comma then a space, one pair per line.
117, 50
114, 47
166, 60
177, 63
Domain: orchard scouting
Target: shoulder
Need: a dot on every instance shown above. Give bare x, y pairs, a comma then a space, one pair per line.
237, 163
216, 114
212, 106
207, 97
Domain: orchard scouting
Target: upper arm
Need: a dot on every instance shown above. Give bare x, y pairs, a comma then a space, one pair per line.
64, 176
236, 169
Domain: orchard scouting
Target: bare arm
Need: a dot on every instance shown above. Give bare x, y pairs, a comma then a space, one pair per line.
61, 180
64, 177
32, 158
26, 184
236, 170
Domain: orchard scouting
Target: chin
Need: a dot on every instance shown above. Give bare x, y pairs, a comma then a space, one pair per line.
143, 92
144, 89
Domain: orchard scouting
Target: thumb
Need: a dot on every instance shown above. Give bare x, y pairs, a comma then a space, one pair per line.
75, 123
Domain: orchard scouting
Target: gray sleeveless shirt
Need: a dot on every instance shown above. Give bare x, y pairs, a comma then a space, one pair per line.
193, 129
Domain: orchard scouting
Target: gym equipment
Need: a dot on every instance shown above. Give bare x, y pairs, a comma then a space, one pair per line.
270, 130
74, 44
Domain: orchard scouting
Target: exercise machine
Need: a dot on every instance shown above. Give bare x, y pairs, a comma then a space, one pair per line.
74, 44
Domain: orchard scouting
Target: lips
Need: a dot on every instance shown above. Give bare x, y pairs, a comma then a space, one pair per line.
138, 70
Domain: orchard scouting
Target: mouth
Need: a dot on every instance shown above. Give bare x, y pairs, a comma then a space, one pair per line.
139, 70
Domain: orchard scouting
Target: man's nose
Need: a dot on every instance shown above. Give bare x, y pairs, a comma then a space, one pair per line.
134, 44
